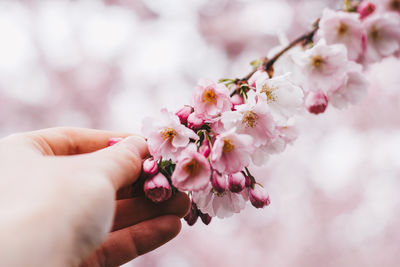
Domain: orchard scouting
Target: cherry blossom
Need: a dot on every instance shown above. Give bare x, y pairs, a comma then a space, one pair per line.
192, 172
210, 99
383, 32
339, 27
167, 137
253, 118
231, 151
221, 205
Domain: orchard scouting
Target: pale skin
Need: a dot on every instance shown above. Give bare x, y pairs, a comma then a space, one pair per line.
66, 200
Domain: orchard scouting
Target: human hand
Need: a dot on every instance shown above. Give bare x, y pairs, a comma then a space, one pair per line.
65, 200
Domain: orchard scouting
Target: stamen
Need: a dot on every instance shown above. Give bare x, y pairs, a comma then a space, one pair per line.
250, 119
209, 96
168, 134
228, 146
269, 93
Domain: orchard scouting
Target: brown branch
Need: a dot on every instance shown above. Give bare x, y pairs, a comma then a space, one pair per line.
267, 64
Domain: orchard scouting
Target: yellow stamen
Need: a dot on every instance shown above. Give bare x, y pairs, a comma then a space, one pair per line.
268, 91
228, 146
168, 134
192, 167
209, 96
250, 119
317, 61
342, 29
374, 34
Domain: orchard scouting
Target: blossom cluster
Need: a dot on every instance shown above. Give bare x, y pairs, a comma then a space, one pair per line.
206, 148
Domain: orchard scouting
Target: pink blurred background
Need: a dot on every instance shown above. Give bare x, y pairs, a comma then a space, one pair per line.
107, 64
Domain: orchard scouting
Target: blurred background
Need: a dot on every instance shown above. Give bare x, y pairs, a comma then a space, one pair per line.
108, 64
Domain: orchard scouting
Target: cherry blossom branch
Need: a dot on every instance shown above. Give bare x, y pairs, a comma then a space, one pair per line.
267, 64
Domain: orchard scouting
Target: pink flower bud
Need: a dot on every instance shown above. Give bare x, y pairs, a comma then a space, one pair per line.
316, 102
205, 218
184, 113
194, 122
219, 182
365, 9
157, 188
114, 140
248, 181
258, 197
236, 100
192, 216
150, 166
204, 149
237, 182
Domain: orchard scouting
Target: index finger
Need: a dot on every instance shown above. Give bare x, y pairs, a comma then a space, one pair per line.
71, 141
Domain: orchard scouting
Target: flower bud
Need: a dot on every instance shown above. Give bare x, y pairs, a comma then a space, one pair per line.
192, 216
194, 122
184, 113
248, 182
205, 218
236, 100
219, 182
237, 182
157, 188
365, 9
204, 149
258, 197
150, 166
114, 140
316, 102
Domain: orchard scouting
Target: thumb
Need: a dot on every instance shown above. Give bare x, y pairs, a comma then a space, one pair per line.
122, 162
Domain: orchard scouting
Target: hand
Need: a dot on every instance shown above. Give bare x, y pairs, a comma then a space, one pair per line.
65, 200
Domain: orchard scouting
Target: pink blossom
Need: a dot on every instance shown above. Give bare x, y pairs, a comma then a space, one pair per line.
339, 27
220, 205
114, 140
284, 135
258, 197
352, 91
192, 172
157, 188
150, 166
253, 118
284, 98
365, 9
194, 121
236, 100
219, 182
205, 149
258, 75
383, 31
237, 182
183, 113
316, 102
388, 5
210, 99
167, 137
231, 151
323, 66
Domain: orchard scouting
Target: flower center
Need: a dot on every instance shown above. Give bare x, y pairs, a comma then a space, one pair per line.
250, 119
395, 5
374, 34
192, 167
268, 91
168, 134
209, 96
342, 29
317, 61
228, 146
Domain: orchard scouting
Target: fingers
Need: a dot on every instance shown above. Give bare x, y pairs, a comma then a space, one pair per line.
135, 210
70, 141
126, 244
120, 163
